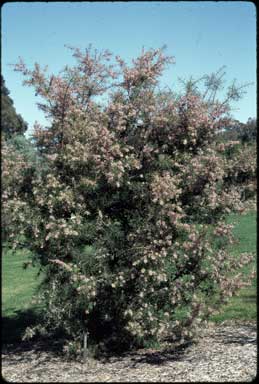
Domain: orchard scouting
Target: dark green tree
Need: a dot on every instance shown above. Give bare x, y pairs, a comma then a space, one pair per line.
12, 123
247, 132
244, 132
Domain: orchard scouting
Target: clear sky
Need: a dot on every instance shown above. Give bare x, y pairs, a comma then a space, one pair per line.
202, 36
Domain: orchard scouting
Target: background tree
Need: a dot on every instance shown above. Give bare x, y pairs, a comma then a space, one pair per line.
17, 150
245, 132
11, 122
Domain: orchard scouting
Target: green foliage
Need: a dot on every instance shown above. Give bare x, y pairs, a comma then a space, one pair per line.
11, 122
21, 164
246, 133
24, 146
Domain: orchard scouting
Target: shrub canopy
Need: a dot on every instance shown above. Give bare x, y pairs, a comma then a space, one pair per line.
126, 216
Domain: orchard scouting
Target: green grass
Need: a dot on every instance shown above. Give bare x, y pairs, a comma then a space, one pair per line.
243, 306
19, 285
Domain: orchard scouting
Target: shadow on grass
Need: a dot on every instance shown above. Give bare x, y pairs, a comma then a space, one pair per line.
251, 298
13, 329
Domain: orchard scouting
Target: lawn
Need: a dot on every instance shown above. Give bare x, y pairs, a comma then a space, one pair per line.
243, 306
19, 285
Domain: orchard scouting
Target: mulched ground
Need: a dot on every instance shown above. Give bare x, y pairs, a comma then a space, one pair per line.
225, 353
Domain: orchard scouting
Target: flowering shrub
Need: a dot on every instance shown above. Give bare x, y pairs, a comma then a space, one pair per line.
240, 165
127, 216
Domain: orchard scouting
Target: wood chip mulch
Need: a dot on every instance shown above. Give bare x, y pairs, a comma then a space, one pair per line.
225, 353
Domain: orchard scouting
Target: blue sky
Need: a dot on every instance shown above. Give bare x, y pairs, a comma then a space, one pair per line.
202, 36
